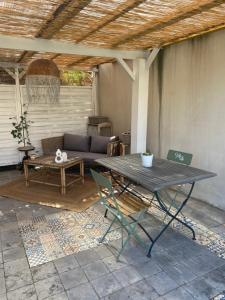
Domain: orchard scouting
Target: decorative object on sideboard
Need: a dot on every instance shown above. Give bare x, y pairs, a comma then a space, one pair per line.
43, 82
125, 137
99, 125
64, 156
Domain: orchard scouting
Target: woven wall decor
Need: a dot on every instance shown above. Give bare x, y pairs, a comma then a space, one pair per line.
43, 82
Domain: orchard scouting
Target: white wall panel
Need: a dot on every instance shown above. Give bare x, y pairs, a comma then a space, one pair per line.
69, 115
8, 146
187, 108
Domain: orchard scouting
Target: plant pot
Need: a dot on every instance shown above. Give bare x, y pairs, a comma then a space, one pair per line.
147, 160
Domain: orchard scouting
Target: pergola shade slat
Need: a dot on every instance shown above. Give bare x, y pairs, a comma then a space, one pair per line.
109, 24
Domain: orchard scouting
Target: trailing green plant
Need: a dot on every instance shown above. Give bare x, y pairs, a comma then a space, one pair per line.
147, 153
21, 126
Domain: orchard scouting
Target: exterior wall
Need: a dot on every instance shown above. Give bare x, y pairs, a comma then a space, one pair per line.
8, 146
187, 108
115, 92
69, 115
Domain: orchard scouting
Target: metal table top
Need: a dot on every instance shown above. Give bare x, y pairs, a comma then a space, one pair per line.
162, 174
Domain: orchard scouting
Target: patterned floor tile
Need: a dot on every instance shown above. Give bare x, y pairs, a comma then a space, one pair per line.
50, 237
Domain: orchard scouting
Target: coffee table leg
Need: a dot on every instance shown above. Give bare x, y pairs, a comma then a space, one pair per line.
26, 173
63, 181
82, 171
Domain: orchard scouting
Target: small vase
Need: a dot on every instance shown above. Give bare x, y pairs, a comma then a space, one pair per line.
147, 160
64, 156
58, 157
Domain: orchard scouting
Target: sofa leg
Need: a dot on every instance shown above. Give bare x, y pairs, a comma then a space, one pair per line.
106, 212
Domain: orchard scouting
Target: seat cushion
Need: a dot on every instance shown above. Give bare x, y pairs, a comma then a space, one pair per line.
88, 157
76, 142
99, 143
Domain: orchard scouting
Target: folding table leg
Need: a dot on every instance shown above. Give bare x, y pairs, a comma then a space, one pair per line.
173, 217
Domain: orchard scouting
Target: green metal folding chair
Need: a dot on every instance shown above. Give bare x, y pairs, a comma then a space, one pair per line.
181, 158
123, 209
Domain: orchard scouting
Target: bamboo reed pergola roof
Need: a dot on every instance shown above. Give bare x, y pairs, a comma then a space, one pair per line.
111, 24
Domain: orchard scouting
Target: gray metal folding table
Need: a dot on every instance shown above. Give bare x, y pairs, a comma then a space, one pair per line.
162, 175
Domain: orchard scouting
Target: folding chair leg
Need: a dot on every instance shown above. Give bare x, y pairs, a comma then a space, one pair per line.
110, 226
106, 212
138, 238
124, 245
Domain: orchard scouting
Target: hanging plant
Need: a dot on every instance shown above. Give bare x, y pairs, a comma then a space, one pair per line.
21, 126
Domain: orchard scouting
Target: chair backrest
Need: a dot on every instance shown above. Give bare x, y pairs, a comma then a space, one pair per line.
101, 181
180, 157
108, 193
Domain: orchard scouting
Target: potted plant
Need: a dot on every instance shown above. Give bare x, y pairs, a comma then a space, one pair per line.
147, 158
21, 126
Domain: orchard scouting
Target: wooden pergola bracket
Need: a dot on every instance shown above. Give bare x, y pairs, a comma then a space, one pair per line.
126, 68
150, 59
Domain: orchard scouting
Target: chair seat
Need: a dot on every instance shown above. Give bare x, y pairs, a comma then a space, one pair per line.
129, 204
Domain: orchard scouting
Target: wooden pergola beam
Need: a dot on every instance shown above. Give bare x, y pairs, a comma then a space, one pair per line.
61, 16
56, 46
172, 21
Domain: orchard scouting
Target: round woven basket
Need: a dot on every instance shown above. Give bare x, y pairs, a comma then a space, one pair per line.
43, 67
43, 82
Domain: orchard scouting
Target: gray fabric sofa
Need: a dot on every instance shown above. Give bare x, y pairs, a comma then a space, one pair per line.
89, 148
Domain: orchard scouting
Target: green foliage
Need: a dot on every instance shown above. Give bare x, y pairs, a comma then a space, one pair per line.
20, 129
147, 153
78, 78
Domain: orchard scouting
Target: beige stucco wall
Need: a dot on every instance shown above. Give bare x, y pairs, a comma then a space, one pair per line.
114, 93
186, 106
187, 89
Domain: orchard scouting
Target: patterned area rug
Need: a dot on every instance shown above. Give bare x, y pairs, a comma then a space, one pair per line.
50, 237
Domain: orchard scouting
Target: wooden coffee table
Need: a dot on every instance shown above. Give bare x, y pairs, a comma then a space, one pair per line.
47, 163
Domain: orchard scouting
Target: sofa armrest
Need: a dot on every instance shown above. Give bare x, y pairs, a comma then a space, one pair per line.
50, 145
113, 148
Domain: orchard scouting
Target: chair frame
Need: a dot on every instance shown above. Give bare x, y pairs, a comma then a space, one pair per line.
181, 158
107, 194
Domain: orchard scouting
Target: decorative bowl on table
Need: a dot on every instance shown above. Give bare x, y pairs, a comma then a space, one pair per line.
33, 156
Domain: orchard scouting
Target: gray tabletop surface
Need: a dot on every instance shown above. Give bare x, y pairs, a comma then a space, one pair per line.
162, 174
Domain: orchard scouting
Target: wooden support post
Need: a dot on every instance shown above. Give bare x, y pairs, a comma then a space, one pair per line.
95, 93
139, 109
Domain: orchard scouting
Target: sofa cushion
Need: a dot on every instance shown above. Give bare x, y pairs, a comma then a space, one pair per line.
88, 157
99, 143
76, 142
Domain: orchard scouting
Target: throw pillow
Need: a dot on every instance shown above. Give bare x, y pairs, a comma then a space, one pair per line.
76, 142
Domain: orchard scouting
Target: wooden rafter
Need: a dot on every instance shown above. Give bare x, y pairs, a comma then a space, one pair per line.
208, 30
121, 10
78, 61
61, 16
157, 27
192, 13
87, 58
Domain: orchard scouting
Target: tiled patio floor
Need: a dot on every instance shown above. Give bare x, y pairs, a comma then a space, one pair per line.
178, 269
